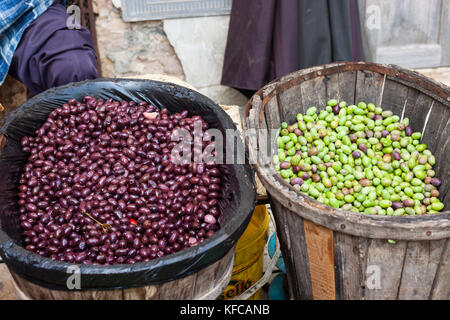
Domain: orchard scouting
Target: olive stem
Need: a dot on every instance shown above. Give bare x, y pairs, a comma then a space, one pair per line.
104, 226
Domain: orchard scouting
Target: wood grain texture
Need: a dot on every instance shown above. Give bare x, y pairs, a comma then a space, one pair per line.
394, 97
421, 263
418, 113
207, 284
313, 93
272, 114
293, 238
347, 86
436, 136
320, 247
385, 263
349, 258
290, 102
369, 87
441, 285
284, 237
341, 86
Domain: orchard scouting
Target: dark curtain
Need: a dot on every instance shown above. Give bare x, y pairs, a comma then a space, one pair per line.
268, 39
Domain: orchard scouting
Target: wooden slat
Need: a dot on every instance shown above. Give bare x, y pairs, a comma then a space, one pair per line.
437, 130
363, 251
350, 268
294, 252
301, 264
208, 283
347, 83
290, 104
313, 93
341, 86
332, 87
206, 279
417, 110
394, 97
369, 87
388, 259
437, 137
112, 294
441, 284
272, 114
320, 247
134, 293
264, 139
285, 246
421, 263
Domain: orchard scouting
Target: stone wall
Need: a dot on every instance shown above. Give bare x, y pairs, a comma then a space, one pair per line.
191, 49
200, 45
128, 49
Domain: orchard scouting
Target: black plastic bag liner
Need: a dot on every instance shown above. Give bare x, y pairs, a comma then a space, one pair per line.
238, 191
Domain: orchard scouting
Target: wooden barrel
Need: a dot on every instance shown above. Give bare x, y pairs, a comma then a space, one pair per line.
207, 284
336, 254
199, 272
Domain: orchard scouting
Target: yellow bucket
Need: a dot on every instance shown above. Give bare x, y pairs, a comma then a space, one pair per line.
249, 254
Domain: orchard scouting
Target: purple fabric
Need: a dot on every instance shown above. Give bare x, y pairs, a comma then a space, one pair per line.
357, 47
249, 45
268, 39
284, 54
51, 55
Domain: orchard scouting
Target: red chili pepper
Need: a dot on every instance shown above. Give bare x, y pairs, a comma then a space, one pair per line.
133, 222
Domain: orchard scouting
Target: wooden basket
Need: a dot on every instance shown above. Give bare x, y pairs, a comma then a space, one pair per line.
336, 254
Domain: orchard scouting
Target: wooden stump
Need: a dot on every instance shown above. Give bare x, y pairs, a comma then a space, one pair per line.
336, 254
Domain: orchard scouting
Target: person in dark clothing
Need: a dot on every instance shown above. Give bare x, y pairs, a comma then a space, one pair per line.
268, 39
46, 52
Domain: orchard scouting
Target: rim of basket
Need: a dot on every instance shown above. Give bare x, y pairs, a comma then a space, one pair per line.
425, 227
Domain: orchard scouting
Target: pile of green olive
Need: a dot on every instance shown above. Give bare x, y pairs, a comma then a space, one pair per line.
359, 158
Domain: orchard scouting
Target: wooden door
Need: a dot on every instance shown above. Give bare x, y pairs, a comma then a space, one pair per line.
408, 33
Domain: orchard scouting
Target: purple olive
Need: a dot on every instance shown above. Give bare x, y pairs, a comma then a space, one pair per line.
298, 132
363, 147
385, 133
100, 187
285, 165
396, 155
298, 181
408, 203
397, 205
436, 182
408, 131
336, 109
356, 154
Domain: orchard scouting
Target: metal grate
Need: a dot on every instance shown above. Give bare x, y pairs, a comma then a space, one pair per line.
139, 10
88, 21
